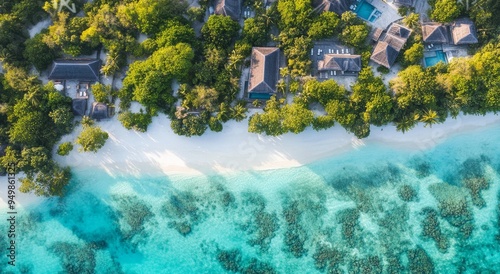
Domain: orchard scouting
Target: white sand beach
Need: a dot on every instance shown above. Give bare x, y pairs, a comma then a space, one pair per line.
159, 149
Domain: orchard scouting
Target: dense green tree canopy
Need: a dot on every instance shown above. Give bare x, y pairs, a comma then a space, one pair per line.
219, 31
149, 82
65, 33
255, 31
38, 53
324, 26
101, 92
92, 138
371, 100
445, 10
189, 125
414, 54
150, 16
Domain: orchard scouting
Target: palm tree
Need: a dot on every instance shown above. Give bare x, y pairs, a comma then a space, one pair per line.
411, 21
239, 112
33, 96
406, 124
235, 60
224, 112
5, 55
430, 117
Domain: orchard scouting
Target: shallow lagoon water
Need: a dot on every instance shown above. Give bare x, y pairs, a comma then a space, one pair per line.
376, 209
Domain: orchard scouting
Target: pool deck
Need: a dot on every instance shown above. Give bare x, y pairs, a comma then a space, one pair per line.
389, 14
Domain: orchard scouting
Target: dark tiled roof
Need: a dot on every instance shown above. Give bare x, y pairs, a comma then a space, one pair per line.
76, 69
337, 6
403, 3
463, 31
388, 48
231, 8
340, 62
264, 70
79, 106
434, 33
399, 31
384, 54
99, 111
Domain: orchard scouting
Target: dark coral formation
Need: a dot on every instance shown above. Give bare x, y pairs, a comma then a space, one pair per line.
369, 265
454, 207
419, 262
474, 178
421, 166
327, 258
295, 235
182, 210
75, 258
394, 265
407, 193
392, 228
133, 213
264, 229
431, 229
459, 215
475, 186
232, 261
348, 219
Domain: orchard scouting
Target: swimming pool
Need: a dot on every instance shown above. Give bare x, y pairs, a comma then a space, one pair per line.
439, 56
365, 11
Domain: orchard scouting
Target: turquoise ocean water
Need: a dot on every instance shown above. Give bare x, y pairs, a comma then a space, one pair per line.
371, 210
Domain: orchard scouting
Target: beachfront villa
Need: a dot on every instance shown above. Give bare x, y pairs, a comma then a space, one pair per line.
73, 78
264, 72
390, 44
339, 64
443, 42
231, 8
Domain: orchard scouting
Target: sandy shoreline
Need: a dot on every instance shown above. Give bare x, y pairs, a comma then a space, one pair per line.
160, 151
233, 149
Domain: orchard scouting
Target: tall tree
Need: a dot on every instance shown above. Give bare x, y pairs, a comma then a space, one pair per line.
219, 31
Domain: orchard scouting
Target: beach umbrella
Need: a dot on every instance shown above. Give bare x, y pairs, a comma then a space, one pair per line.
58, 87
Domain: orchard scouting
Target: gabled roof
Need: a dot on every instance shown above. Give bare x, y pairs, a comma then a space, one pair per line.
79, 106
434, 33
76, 69
99, 111
264, 70
231, 8
463, 31
340, 62
408, 3
384, 54
337, 6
